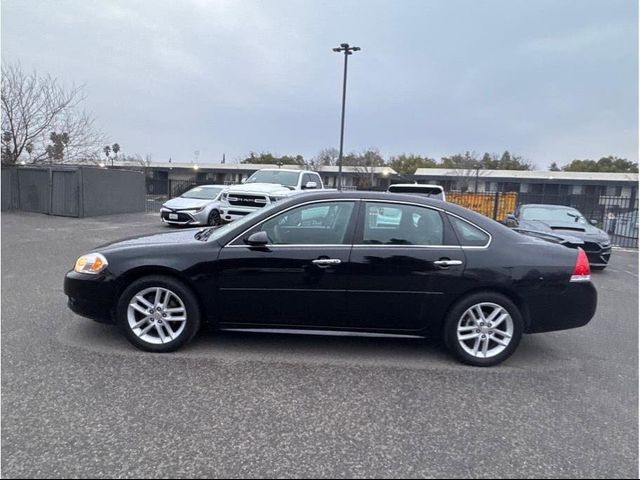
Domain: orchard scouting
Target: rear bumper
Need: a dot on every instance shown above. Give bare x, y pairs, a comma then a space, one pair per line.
572, 309
91, 297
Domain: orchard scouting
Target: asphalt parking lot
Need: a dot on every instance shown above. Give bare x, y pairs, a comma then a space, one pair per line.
78, 401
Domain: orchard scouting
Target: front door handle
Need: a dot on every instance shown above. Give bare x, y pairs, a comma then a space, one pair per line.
447, 263
327, 262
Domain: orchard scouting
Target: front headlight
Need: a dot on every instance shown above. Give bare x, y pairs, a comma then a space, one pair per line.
194, 210
93, 263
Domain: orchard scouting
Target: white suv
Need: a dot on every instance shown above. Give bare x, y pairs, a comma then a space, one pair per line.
264, 187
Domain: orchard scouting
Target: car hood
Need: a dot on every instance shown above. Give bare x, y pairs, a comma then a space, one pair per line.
265, 188
181, 237
566, 229
180, 203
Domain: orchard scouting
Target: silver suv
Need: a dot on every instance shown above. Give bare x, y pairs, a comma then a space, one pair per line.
198, 206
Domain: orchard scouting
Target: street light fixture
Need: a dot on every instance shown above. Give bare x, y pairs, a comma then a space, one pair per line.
344, 47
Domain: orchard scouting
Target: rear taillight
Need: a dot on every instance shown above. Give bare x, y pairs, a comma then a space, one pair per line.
582, 270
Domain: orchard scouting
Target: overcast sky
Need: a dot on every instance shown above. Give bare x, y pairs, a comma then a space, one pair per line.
549, 80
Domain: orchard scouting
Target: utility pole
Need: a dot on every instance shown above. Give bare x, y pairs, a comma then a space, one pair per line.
344, 47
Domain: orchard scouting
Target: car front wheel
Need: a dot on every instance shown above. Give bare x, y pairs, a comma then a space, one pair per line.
214, 218
158, 314
483, 329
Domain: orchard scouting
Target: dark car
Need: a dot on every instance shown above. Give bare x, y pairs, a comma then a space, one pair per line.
568, 226
335, 261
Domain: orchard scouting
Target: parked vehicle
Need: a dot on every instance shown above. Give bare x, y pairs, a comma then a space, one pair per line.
199, 206
568, 226
432, 191
323, 261
267, 186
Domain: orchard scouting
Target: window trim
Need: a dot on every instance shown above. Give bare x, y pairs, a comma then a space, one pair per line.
359, 210
471, 247
349, 233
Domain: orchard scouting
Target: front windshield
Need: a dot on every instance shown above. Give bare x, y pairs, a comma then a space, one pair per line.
559, 215
203, 193
288, 179
215, 233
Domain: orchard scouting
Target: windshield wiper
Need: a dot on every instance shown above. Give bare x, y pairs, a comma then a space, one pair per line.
204, 234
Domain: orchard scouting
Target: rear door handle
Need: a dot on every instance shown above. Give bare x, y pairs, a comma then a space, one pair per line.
327, 262
447, 263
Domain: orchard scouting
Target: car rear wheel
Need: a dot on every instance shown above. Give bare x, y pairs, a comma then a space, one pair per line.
158, 314
214, 218
483, 329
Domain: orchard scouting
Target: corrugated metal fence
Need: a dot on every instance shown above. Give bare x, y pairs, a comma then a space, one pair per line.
72, 191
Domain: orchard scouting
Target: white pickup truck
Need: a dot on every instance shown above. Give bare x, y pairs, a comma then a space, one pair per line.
264, 187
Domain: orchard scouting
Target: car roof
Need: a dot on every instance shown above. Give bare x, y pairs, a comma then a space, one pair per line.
284, 170
545, 205
414, 185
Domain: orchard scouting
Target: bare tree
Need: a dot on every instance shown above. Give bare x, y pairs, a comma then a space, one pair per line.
465, 169
137, 160
33, 108
326, 157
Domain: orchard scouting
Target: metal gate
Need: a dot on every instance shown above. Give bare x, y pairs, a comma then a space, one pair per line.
65, 193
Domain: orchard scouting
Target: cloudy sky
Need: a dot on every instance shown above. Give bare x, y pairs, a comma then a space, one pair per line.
550, 80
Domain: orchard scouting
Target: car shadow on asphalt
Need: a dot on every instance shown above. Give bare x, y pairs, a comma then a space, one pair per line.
534, 353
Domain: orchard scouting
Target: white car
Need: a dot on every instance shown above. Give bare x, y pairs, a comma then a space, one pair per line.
198, 206
432, 191
264, 187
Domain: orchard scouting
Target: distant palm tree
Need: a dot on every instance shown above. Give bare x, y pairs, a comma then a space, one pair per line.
115, 148
107, 151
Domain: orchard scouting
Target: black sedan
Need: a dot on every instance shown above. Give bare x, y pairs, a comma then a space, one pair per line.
568, 226
333, 261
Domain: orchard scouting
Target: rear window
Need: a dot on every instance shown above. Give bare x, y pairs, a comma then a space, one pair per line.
469, 235
432, 192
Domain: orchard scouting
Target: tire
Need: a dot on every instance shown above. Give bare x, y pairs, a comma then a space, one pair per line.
214, 219
464, 315
180, 303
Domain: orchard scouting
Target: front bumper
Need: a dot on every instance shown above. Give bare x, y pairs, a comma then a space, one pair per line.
91, 296
573, 308
184, 217
232, 213
598, 256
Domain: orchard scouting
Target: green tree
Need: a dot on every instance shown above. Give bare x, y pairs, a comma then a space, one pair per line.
368, 158
408, 164
554, 167
56, 149
608, 164
266, 158
115, 148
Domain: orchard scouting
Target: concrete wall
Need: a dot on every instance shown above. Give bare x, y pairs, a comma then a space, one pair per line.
108, 192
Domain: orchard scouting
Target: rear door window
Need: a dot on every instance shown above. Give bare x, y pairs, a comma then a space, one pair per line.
469, 235
398, 224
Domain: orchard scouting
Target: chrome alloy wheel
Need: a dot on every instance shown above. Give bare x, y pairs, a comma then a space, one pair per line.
485, 330
157, 315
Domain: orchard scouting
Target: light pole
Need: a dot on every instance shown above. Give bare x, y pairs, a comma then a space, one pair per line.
344, 47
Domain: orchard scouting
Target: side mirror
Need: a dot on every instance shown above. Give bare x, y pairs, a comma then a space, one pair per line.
511, 220
593, 222
310, 186
258, 239
244, 180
